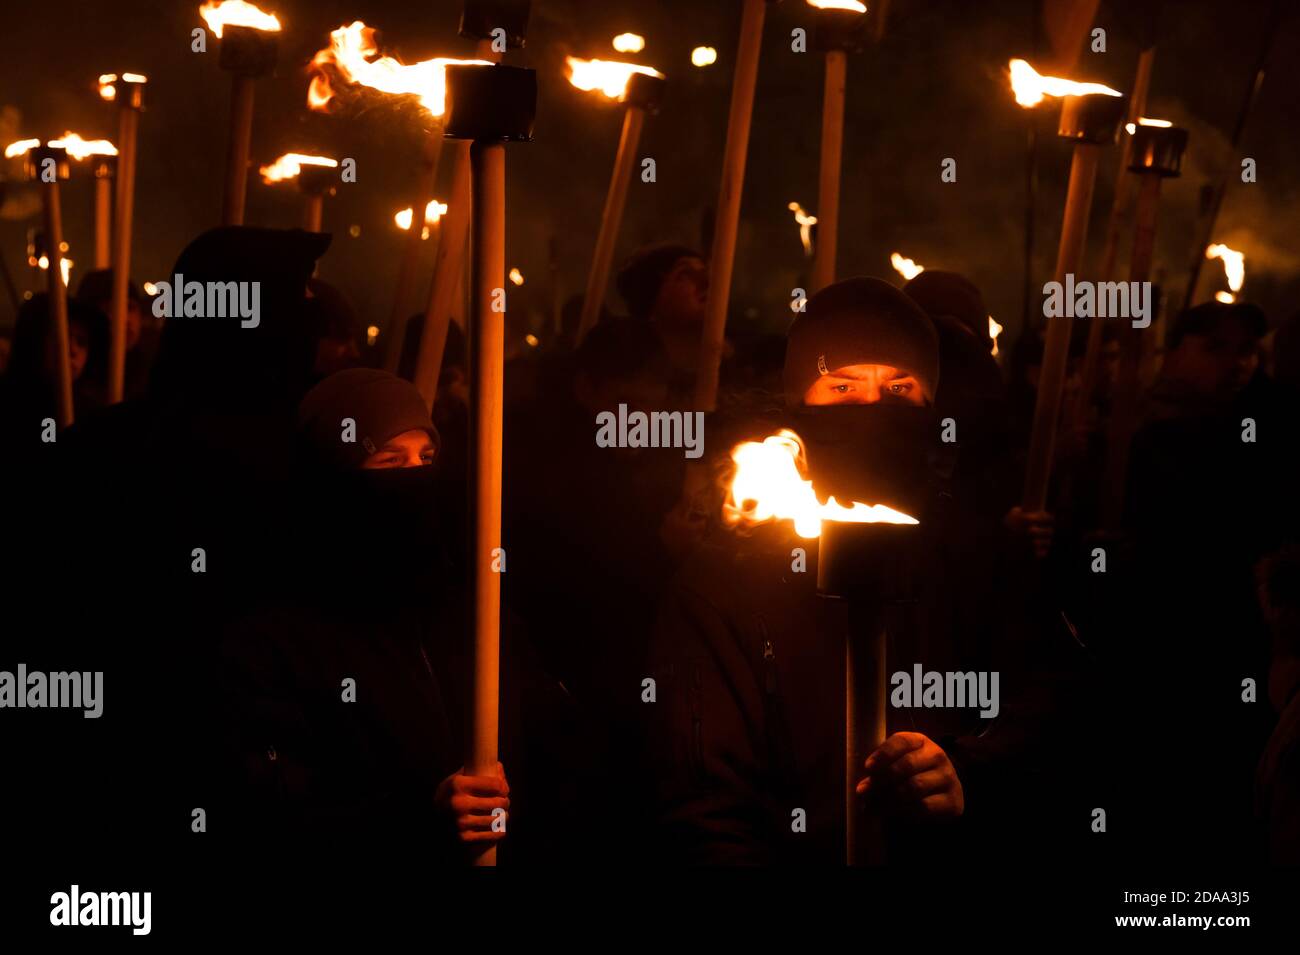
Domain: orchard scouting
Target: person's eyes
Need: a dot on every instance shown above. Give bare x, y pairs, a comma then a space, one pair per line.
841, 389
899, 387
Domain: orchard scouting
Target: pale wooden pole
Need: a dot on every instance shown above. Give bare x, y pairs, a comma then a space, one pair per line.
104, 176
828, 192
58, 295
130, 99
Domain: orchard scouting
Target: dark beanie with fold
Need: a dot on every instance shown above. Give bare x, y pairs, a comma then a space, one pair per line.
382, 405
861, 321
643, 275
947, 293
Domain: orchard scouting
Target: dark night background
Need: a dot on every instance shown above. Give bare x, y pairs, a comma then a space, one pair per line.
936, 87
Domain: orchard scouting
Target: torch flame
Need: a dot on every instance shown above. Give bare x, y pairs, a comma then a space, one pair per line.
806, 222
704, 56
434, 211
20, 147
605, 75
290, 165
1030, 87
1143, 121
1234, 264
852, 5
516, 277
65, 267
106, 80
237, 13
80, 149
769, 484
905, 266
629, 43
994, 331
350, 52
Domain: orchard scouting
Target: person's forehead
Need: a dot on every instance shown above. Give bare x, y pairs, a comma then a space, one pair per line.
859, 372
688, 263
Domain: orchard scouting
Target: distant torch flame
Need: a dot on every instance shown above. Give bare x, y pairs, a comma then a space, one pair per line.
994, 331
1234, 267
290, 165
350, 53
106, 80
20, 147
806, 222
605, 75
769, 485
516, 276
80, 149
434, 211
905, 266
851, 5
237, 13
704, 56
1143, 121
629, 43
65, 266
1030, 87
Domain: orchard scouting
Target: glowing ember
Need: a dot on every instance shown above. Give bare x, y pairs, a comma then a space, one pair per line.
851, 5
1234, 264
517, 277
769, 484
806, 222
352, 52
704, 56
1143, 121
629, 43
80, 149
532, 340
290, 165
1030, 87
994, 331
237, 13
905, 266
106, 80
605, 75
434, 211
20, 147
372, 333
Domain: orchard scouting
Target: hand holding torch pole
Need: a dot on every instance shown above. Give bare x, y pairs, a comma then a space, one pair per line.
723, 254
48, 165
129, 94
1089, 121
490, 106
642, 94
841, 30
1157, 154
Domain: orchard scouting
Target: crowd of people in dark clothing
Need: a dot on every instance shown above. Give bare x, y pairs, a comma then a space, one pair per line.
264, 548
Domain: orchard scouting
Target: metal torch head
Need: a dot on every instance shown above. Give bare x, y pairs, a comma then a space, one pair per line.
1095, 118
844, 30
40, 158
1159, 150
645, 91
318, 180
867, 562
490, 103
127, 93
248, 51
480, 17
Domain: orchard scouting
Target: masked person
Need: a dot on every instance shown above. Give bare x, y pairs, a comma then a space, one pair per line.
746, 738
338, 699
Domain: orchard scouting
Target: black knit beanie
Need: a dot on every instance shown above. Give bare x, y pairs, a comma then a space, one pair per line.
382, 405
860, 321
643, 275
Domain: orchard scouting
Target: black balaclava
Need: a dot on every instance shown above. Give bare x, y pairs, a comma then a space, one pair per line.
888, 454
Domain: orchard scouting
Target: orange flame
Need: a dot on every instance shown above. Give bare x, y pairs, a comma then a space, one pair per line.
516, 277
905, 266
351, 52
20, 147
607, 76
806, 222
629, 43
237, 13
704, 56
1234, 264
1030, 87
434, 211
106, 80
80, 149
853, 6
1143, 121
769, 485
290, 165
65, 267
994, 331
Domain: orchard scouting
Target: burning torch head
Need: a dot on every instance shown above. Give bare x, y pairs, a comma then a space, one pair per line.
480, 17
318, 180
41, 158
248, 51
490, 103
1158, 149
1093, 118
866, 562
841, 28
125, 89
645, 91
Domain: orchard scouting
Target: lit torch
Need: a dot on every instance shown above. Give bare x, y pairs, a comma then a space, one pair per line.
805, 223
1091, 115
640, 89
48, 165
994, 331
861, 559
488, 106
104, 165
249, 48
1234, 268
315, 176
905, 266
841, 30
128, 94
433, 214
